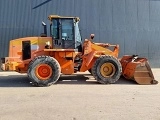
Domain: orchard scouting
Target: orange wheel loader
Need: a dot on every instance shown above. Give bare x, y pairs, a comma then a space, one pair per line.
44, 58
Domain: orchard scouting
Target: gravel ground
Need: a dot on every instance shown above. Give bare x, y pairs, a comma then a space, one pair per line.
78, 97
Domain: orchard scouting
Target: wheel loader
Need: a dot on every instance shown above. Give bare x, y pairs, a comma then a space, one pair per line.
44, 58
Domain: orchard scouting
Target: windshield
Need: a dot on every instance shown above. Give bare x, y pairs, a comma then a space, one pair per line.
66, 28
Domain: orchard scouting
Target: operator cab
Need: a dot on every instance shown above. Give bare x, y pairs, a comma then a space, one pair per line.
65, 32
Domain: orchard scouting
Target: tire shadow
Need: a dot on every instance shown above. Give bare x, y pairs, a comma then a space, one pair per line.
78, 79
15, 81
89, 80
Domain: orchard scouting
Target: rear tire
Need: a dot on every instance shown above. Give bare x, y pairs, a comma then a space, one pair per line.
44, 71
107, 70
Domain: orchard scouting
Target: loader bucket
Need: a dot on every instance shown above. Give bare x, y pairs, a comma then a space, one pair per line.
137, 69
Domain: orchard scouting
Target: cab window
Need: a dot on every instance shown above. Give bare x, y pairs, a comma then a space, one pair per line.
55, 32
67, 29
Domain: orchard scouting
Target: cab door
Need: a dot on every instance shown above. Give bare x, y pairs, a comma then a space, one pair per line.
67, 33
63, 33
56, 33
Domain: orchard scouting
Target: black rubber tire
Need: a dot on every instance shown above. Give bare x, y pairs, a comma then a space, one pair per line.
106, 80
0, 65
53, 63
90, 71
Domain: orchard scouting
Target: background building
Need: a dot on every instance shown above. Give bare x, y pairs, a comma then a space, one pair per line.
133, 24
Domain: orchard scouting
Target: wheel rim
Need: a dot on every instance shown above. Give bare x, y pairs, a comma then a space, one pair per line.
107, 70
43, 71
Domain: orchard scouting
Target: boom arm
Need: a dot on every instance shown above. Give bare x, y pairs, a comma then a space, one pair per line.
93, 50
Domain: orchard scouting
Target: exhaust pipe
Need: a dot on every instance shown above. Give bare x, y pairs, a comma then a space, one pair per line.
45, 30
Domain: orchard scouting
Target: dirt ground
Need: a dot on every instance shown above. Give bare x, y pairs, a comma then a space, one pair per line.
78, 97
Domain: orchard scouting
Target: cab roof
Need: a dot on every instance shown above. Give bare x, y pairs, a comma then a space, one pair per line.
50, 17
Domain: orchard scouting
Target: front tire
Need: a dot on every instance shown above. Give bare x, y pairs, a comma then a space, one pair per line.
44, 71
107, 70
90, 71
